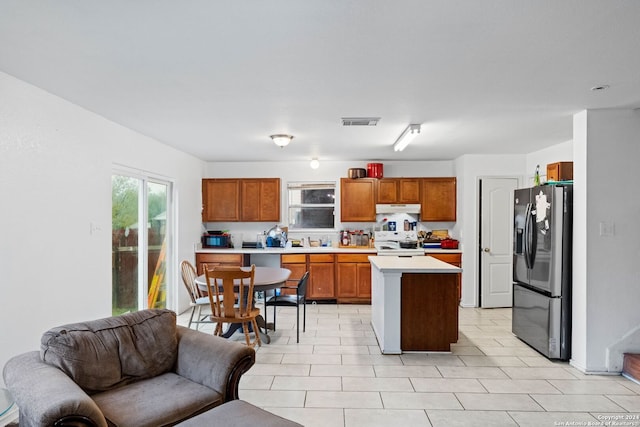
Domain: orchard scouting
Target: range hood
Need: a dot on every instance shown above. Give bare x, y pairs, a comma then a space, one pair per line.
396, 208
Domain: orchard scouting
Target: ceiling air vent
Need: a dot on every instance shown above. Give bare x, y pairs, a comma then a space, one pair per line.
360, 121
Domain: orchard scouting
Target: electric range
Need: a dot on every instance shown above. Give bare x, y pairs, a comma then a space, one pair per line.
397, 243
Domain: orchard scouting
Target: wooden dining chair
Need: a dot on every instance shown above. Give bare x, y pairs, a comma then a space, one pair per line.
291, 301
224, 283
199, 298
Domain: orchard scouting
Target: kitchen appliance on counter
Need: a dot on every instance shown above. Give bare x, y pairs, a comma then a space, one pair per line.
397, 243
216, 240
276, 237
542, 276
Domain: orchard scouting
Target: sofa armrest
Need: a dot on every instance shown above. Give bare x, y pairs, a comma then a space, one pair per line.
47, 396
213, 361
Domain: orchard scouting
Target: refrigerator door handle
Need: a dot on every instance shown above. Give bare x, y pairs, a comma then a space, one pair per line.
533, 247
526, 240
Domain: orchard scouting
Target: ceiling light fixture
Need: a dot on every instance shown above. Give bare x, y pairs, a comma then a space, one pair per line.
281, 139
406, 136
315, 163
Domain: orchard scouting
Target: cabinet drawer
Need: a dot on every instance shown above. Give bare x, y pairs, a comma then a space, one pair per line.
321, 258
455, 259
293, 259
353, 257
221, 258
213, 260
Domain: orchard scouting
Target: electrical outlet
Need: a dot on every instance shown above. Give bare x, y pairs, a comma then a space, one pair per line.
93, 228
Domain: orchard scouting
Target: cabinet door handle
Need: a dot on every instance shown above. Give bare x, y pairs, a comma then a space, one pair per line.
486, 250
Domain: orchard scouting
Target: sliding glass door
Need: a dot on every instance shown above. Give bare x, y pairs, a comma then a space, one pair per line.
141, 226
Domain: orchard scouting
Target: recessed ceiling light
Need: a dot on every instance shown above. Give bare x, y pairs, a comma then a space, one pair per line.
601, 87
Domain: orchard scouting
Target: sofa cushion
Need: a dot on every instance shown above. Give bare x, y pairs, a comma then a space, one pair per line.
159, 401
106, 353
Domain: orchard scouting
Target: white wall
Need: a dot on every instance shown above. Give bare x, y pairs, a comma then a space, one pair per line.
55, 179
470, 168
557, 153
606, 265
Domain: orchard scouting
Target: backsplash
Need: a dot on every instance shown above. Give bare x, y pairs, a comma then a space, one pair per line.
249, 232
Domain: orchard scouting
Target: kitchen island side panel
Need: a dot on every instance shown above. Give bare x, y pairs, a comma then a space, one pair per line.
429, 313
385, 309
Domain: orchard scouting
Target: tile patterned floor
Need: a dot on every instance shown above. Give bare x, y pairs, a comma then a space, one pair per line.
336, 376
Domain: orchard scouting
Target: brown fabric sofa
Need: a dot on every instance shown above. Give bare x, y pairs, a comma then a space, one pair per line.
138, 369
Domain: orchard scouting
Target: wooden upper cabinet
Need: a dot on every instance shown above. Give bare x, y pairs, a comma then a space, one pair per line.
260, 199
220, 200
251, 199
438, 201
398, 190
357, 200
387, 190
409, 190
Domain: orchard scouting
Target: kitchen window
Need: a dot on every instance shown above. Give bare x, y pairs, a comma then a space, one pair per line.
312, 205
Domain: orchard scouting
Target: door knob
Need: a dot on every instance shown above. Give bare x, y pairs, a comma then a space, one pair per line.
486, 250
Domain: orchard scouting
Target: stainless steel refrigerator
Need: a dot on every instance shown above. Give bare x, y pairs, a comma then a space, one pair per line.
542, 256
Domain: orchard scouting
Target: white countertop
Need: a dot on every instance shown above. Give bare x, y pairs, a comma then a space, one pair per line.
416, 264
316, 250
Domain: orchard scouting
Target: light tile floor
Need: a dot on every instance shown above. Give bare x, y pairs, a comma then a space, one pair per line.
336, 376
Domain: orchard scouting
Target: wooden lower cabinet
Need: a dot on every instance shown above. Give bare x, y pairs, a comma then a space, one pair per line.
453, 259
343, 277
353, 278
321, 276
298, 265
212, 260
321, 268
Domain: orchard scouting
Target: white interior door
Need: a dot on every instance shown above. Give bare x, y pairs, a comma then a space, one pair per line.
496, 241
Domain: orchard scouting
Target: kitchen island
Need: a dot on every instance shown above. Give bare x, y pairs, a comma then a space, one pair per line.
414, 303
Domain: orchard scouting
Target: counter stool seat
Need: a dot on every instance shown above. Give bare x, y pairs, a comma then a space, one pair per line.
238, 413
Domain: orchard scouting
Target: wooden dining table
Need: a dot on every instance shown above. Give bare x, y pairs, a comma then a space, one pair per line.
264, 279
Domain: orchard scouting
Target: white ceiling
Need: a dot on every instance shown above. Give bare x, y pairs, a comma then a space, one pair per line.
215, 78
